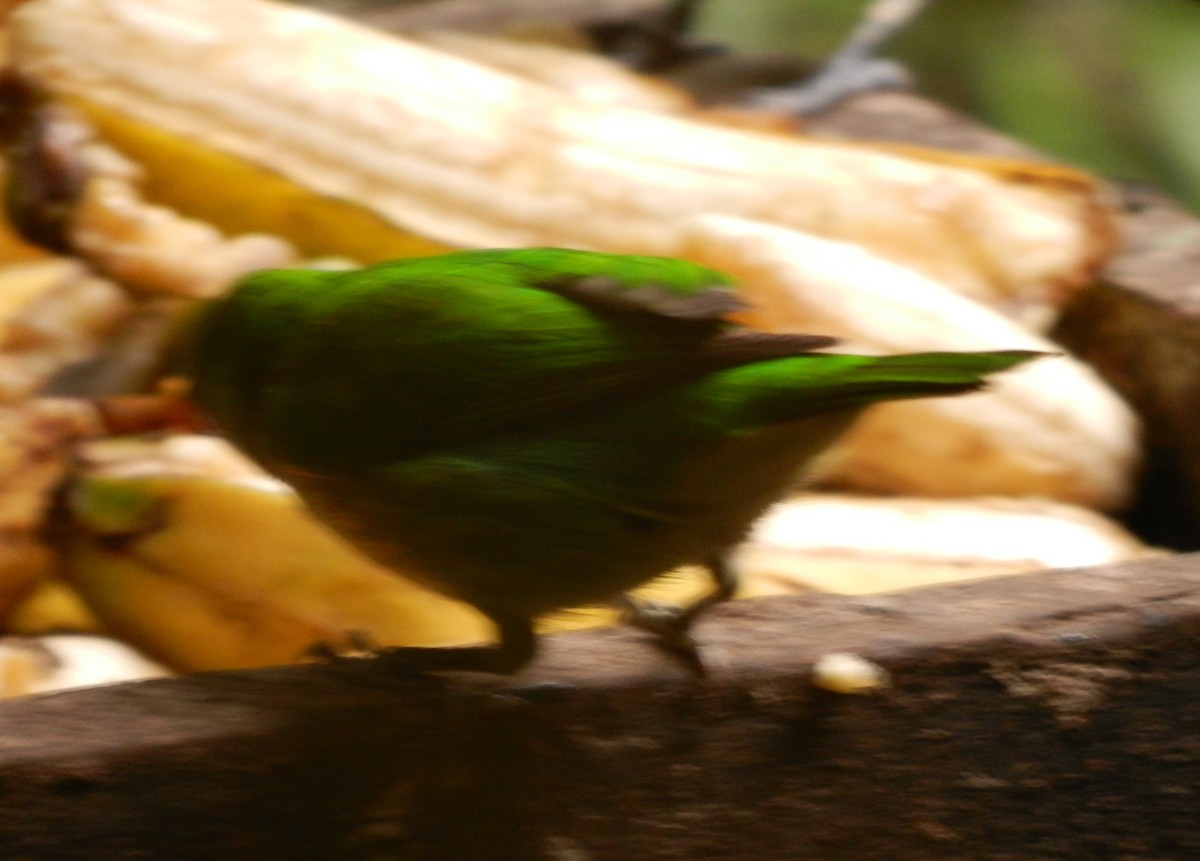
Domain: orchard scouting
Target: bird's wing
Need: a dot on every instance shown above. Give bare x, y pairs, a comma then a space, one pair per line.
598, 386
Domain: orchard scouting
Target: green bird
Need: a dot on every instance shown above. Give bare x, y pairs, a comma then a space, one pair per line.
528, 430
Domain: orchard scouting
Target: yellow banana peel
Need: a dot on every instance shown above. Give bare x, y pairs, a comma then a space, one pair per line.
35, 446
201, 182
52, 606
211, 573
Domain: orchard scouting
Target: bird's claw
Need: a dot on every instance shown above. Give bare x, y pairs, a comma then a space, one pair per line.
670, 625
406, 660
655, 617
352, 646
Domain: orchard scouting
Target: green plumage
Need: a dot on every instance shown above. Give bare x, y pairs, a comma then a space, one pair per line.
534, 429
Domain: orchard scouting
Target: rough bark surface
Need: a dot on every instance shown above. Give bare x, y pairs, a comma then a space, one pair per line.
1139, 326
1047, 716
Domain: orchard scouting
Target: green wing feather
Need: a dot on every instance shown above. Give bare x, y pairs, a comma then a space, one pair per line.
413, 356
417, 354
785, 389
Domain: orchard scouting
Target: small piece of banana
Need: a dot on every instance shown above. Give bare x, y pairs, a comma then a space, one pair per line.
846, 673
37, 665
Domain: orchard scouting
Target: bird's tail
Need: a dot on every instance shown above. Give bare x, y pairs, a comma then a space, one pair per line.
792, 388
916, 375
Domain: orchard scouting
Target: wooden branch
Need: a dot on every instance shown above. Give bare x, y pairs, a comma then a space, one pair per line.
1048, 716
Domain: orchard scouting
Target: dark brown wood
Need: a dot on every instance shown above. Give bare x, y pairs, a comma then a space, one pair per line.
1045, 716
1139, 326
906, 118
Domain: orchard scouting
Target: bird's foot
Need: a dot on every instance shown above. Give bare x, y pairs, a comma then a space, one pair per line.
352, 646
669, 624
515, 649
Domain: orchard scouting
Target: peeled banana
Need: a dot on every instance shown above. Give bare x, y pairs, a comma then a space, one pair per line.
443, 151
855, 544
37, 665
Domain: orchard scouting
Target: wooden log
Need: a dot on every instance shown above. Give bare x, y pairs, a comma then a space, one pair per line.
1049, 716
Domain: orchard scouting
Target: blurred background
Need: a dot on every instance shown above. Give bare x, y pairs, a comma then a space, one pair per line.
1110, 85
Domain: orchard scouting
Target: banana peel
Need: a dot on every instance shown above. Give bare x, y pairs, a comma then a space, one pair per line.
35, 452
218, 572
200, 183
440, 151
52, 606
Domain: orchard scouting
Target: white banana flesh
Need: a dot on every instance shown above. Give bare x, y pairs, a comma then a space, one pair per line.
853, 544
38, 665
470, 155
